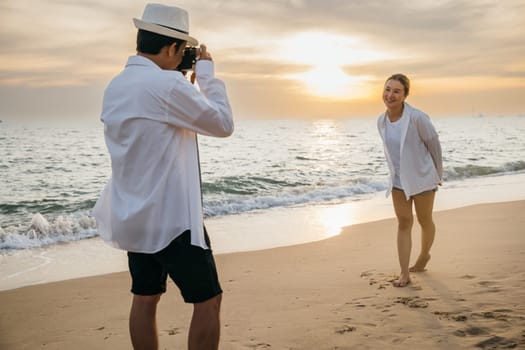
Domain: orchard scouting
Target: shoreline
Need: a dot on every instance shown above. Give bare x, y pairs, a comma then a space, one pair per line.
252, 231
331, 293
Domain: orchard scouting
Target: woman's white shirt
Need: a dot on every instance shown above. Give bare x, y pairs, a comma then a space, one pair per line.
420, 160
393, 144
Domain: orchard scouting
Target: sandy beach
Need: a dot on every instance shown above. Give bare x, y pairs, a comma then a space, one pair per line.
331, 294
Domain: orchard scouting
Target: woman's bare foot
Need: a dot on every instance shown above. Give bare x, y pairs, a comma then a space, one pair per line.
420, 264
402, 281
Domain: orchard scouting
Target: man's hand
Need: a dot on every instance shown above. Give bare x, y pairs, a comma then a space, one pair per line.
205, 55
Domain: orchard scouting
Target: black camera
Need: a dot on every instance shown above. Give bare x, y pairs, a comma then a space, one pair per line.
189, 57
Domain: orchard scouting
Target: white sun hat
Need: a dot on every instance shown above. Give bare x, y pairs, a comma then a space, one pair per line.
170, 21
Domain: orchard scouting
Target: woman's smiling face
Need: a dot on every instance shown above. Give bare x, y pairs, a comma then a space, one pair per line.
393, 94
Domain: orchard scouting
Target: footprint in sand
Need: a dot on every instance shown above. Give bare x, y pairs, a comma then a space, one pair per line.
498, 314
345, 329
101, 328
172, 331
452, 315
508, 321
381, 280
460, 318
467, 277
472, 330
487, 283
489, 287
259, 346
358, 302
366, 273
497, 342
414, 302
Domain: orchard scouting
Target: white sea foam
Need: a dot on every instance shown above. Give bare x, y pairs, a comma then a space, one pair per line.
41, 232
240, 204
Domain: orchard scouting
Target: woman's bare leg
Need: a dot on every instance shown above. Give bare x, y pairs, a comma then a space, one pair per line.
405, 220
424, 204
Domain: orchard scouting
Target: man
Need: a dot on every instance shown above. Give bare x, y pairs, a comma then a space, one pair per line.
152, 205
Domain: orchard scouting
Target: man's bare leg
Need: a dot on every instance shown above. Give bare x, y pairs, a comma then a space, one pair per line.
205, 325
143, 323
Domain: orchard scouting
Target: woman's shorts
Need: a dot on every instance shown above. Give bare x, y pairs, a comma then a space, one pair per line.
412, 196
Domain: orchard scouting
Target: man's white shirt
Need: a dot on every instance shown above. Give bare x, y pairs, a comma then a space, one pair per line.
151, 117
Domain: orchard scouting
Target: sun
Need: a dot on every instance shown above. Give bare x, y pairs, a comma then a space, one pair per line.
326, 55
329, 82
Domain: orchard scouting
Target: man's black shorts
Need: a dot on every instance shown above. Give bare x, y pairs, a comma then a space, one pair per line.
191, 268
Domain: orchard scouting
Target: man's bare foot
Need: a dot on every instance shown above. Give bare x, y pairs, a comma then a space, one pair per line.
402, 281
420, 264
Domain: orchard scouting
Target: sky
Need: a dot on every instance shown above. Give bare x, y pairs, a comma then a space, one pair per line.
278, 58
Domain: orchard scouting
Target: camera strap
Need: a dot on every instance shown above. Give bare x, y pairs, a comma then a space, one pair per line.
199, 164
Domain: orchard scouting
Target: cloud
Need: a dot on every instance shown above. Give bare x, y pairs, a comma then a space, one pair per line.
58, 40
486, 33
82, 44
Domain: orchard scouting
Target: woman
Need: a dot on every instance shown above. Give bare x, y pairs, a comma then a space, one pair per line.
413, 154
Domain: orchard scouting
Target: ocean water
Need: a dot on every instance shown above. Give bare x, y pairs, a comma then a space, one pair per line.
51, 176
